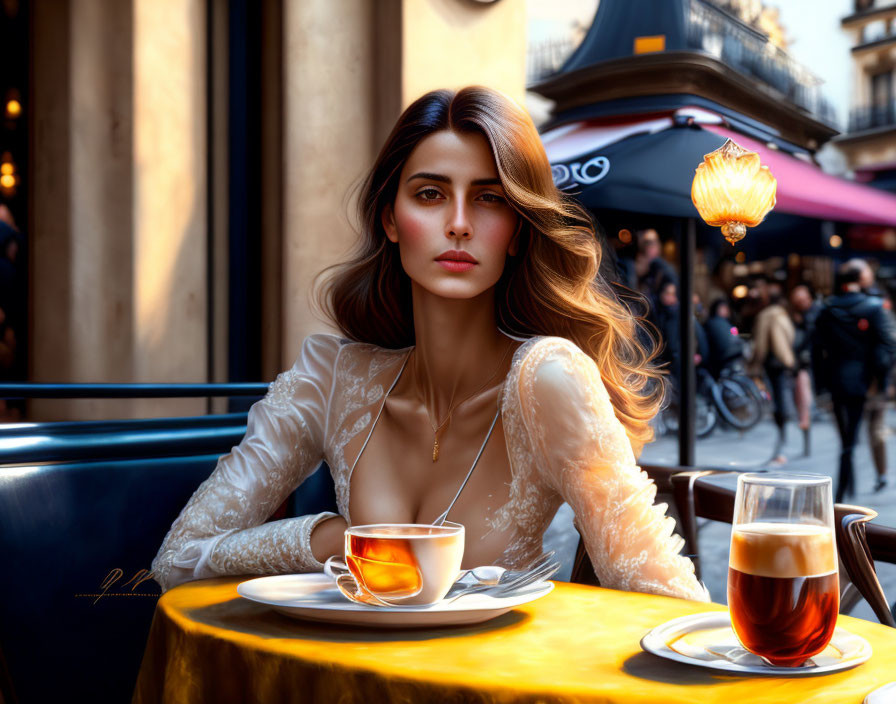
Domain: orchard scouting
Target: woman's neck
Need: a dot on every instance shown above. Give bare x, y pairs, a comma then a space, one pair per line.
458, 349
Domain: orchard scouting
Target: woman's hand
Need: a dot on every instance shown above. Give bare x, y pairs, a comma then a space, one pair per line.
328, 538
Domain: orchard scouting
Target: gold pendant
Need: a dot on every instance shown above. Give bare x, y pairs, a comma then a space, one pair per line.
435, 449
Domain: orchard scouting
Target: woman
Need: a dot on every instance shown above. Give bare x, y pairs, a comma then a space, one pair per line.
475, 322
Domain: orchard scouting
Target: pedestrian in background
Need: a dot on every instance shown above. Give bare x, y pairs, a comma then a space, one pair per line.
668, 324
723, 343
804, 309
852, 351
652, 272
773, 337
876, 403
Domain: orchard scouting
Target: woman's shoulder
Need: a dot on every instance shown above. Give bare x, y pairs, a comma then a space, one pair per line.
553, 365
330, 346
539, 351
351, 364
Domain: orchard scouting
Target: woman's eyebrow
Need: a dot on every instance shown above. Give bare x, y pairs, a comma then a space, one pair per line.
445, 179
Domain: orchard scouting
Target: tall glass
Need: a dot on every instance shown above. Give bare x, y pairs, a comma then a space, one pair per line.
783, 588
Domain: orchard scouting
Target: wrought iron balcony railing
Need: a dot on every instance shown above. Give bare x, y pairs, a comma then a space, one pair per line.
749, 52
872, 116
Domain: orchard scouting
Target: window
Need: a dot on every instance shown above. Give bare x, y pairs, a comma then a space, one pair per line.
873, 31
882, 89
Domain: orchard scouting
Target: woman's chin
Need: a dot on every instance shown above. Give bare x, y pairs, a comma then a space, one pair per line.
456, 291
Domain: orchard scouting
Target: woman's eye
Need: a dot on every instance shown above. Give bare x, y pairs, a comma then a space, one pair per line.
491, 198
429, 194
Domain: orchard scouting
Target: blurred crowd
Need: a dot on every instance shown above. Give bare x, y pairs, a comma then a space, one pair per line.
806, 351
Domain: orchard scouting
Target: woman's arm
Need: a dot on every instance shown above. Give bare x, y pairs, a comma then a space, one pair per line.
222, 530
583, 452
328, 538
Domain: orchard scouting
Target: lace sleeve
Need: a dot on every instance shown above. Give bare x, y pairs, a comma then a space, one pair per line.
583, 452
221, 530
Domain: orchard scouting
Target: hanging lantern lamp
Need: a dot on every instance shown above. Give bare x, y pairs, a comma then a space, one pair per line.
732, 190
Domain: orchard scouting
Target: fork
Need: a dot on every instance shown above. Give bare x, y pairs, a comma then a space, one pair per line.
506, 575
518, 580
539, 569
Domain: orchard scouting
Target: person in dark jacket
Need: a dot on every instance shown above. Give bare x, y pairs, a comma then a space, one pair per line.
652, 273
876, 405
723, 343
852, 351
667, 315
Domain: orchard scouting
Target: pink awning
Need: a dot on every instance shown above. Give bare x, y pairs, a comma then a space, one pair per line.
804, 189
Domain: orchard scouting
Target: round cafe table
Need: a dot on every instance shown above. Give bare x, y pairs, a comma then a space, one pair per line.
578, 644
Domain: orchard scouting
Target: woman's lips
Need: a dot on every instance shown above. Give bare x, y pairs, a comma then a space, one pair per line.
456, 260
454, 265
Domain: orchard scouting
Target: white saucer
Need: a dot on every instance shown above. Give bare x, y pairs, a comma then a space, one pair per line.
315, 597
707, 640
882, 695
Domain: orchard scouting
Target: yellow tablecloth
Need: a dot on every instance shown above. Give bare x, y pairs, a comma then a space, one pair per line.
578, 644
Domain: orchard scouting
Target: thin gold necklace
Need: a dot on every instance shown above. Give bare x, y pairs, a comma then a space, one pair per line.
438, 429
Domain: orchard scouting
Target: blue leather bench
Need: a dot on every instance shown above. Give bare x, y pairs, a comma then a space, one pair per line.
84, 507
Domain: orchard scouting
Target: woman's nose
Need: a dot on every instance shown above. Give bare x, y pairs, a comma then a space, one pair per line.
459, 225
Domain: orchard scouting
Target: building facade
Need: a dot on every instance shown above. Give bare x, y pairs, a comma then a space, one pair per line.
870, 142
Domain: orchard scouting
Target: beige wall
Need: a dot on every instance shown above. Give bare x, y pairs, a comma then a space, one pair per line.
870, 151
453, 43
351, 66
328, 101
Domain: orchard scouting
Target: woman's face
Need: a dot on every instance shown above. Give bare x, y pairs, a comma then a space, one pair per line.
452, 223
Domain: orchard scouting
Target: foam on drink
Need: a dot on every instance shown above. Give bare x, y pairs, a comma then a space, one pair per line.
783, 549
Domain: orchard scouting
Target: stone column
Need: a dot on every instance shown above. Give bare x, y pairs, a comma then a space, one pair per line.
118, 240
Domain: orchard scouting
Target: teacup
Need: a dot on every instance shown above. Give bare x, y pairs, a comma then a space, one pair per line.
400, 563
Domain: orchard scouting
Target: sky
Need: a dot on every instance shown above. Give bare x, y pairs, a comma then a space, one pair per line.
819, 43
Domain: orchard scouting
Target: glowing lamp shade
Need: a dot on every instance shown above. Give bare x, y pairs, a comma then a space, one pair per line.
732, 190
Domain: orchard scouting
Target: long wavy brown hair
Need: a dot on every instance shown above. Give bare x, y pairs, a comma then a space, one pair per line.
552, 287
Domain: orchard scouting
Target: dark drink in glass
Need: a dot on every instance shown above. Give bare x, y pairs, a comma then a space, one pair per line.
783, 585
783, 590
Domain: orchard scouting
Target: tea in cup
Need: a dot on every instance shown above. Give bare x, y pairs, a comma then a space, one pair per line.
401, 563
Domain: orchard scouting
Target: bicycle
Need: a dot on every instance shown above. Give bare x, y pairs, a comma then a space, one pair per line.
705, 418
735, 395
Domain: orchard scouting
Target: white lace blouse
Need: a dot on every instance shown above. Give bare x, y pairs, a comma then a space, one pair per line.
563, 439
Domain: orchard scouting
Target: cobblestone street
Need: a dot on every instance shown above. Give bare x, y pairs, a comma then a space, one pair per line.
750, 450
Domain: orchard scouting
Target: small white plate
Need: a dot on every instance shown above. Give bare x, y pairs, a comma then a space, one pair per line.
707, 640
882, 695
315, 597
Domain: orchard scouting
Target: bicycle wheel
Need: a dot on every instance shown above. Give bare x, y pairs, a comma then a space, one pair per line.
736, 405
704, 422
706, 417
750, 386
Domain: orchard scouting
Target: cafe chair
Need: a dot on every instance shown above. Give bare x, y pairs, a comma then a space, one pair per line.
859, 542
